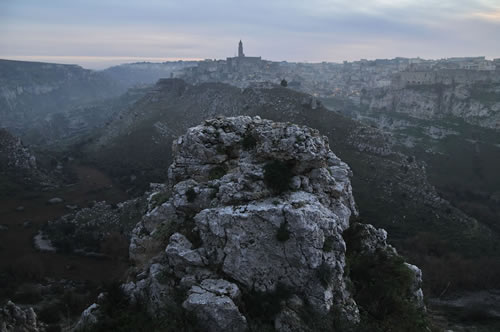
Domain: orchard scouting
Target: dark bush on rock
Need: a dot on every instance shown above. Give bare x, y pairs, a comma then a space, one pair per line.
259, 304
122, 316
191, 195
277, 175
216, 173
283, 234
382, 287
248, 142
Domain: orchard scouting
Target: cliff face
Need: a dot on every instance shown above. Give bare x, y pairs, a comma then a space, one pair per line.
254, 218
477, 104
454, 129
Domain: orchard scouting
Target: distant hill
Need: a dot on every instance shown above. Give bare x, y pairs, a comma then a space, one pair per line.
44, 102
140, 73
32, 93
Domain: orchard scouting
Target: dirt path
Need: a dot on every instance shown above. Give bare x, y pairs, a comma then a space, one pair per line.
20, 259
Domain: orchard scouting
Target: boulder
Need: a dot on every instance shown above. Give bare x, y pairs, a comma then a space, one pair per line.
89, 318
212, 303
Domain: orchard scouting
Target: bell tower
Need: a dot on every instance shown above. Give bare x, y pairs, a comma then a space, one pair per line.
240, 50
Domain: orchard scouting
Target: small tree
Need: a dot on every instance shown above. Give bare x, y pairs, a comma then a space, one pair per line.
284, 83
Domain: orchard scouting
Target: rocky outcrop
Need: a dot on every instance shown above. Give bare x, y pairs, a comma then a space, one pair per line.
89, 317
18, 166
13, 154
256, 209
16, 319
371, 242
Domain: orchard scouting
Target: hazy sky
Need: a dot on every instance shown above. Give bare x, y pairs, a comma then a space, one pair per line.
98, 33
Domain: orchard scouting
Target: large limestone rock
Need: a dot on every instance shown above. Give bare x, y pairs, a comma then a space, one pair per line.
227, 233
236, 216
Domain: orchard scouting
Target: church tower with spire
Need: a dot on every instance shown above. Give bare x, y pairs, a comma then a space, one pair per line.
240, 50
243, 61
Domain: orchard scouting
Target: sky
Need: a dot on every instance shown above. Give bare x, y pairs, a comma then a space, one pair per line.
100, 33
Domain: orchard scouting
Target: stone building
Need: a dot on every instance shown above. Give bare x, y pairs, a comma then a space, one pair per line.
242, 60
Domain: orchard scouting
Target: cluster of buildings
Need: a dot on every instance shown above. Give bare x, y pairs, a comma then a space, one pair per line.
240, 70
347, 79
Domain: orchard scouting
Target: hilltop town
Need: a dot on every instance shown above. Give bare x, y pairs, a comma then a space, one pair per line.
345, 79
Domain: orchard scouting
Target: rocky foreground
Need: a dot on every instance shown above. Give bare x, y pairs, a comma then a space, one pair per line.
254, 233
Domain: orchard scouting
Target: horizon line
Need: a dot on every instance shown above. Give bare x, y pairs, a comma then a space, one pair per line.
103, 62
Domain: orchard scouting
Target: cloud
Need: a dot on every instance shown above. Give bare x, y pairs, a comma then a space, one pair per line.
315, 30
489, 16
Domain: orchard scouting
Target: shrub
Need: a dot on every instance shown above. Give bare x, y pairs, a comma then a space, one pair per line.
75, 301
324, 274
163, 277
191, 195
382, 291
221, 149
329, 243
215, 191
263, 306
115, 244
29, 267
277, 175
67, 228
216, 173
120, 315
159, 198
53, 328
165, 230
189, 230
317, 321
28, 294
50, 314
283, 234
249, 142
